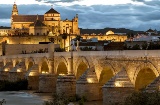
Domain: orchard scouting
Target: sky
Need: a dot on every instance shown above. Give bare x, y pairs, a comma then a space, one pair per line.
93, 14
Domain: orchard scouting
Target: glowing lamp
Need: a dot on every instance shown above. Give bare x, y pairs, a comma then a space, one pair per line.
61, 74
30, 74
43, 72
89, 80
6, 69
18, 70
118, 84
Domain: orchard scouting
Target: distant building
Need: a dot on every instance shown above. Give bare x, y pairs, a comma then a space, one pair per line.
148, 36
110, 35
49, 22
4, 31
92, 44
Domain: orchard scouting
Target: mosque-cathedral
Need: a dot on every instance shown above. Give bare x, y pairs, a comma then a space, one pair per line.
32, 29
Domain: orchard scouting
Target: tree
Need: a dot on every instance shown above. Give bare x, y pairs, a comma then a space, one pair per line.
78, 37
64, 37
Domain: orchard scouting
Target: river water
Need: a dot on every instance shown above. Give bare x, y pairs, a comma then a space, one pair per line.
24, 98
31, 98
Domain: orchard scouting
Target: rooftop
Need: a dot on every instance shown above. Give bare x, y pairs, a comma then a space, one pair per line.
52, 11
27, 18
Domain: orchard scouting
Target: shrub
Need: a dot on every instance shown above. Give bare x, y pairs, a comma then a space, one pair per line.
61, 99
143, 98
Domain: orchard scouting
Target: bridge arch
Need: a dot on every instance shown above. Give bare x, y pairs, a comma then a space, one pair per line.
144, 74
5, 39
81, 66
8, 65
44, 65
103, 66
29, 63
61, 66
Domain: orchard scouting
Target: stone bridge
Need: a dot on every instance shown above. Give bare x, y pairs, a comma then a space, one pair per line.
114, 74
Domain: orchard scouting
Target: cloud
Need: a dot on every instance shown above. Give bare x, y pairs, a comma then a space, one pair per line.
56, 1
131, 15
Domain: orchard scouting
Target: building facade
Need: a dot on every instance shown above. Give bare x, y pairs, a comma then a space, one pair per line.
51, 21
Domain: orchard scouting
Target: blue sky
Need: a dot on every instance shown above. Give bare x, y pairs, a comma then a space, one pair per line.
131, 14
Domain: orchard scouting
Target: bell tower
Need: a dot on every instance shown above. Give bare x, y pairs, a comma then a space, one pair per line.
14, 12
15, 9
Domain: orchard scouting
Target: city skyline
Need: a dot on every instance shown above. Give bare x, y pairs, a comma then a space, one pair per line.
93, 14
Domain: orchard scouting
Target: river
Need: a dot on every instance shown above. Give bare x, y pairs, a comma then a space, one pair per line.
31, 98
24, 98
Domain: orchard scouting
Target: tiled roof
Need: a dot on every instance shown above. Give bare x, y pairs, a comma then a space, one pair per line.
38, 23
114, 46
27, 18
52, 11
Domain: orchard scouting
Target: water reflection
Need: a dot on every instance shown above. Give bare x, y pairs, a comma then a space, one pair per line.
22, 98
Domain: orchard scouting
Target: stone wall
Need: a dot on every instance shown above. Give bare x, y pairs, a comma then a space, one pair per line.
47, 83
24, 39
33, 82
115, 95
4, 75
14, 49
14, 76
91, 91
66, 85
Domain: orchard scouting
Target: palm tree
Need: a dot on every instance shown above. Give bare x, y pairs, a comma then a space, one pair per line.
64, 37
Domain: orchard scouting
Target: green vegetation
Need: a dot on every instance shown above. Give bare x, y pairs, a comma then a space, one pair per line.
62, 99
13, 86
143, 98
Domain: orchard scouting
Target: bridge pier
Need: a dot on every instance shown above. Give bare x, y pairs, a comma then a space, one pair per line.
154, 85
66, 84
88, 86
33, 82
15, 76
47, 83
33, 77
4, 75
117, 89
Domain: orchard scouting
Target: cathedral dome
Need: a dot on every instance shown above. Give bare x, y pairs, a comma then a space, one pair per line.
109, 32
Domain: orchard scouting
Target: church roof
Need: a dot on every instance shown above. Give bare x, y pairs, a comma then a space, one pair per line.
38, 23
27, 18
52, 11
